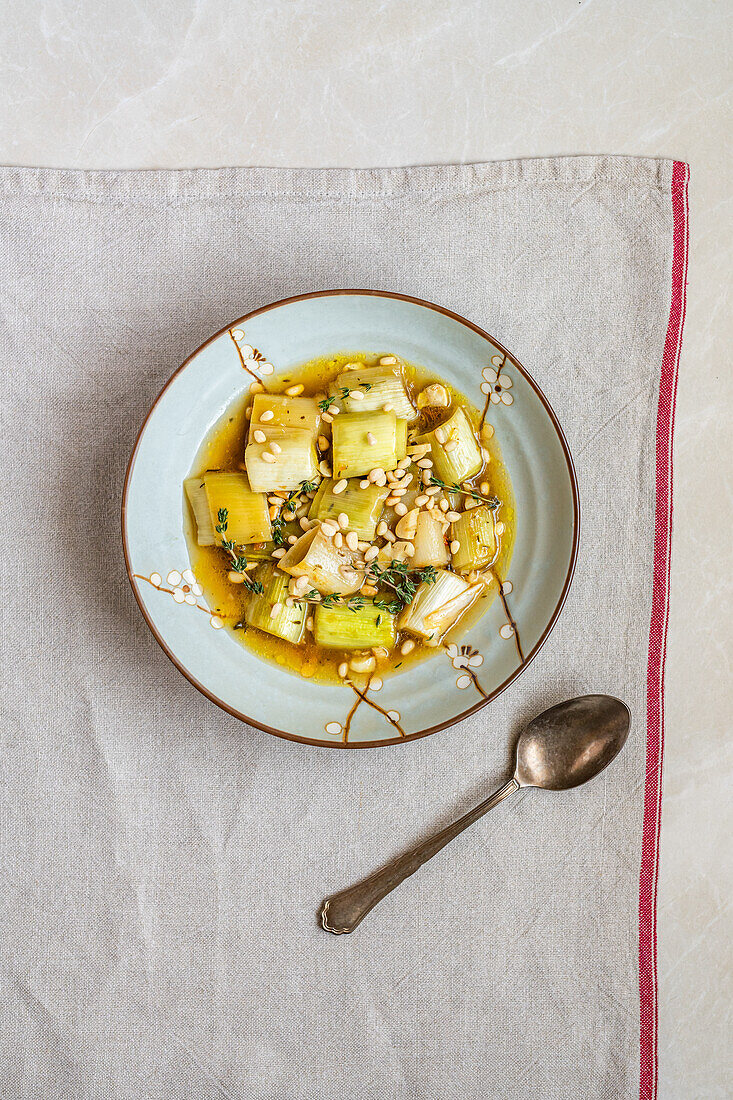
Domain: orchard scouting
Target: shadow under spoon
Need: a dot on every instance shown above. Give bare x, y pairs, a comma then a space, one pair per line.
561, 748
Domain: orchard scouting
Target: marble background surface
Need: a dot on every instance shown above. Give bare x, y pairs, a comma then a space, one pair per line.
206, 83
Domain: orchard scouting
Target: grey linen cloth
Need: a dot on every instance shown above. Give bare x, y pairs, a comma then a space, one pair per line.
163, 864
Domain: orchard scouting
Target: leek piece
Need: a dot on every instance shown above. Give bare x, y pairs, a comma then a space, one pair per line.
430, 548
196, 496
336, 627
381, 385
287, 622
329, 569
295, 461
475, 532
401, 447
247, 516
287, 412
437, 607
464, 460
362, 506
353, 454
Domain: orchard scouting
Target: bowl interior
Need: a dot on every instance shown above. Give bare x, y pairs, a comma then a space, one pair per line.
441, 690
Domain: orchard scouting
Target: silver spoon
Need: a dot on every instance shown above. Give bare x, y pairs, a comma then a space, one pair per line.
561, 748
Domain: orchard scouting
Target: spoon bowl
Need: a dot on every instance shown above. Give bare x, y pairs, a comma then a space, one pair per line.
570, 743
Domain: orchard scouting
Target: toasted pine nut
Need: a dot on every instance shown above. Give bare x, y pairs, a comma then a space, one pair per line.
275, 610
256, 387
333, 410
305, 523
279, 553
267, 415
444, 505
343, 670
294, 391
382, 528
234, 577
484, 488
453, 516
425, 463
356, 395
327, 418
352, 540
418, 449
259, 436
441, 435
323, 443
329, 529
365, 483
363, 664
338, 540
343, 520
387, 360
407, 646
371, 439
248, 413
324, 468
398, 493
455, 546
404, 463
267, 457
292, 539
422, 499
340, 485
369, 589
450, 446
400, 508
310, 623
363, 546
371, 553
275, 448
389, 536
433, 490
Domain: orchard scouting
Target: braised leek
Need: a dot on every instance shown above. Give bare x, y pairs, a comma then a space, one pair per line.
379, 386
340, 627
285, 458
476, 536
328, 568
269, 611
287, 412
247, 517
196, 496
459, 456
430, 548
364, 441
437, 607
362, 506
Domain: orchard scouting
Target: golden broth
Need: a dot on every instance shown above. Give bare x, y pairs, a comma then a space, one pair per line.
223, 449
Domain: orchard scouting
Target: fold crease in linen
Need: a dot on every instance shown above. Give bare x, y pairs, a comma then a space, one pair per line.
163, 864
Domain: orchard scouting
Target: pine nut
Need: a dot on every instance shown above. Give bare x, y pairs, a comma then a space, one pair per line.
267, 457
268, 414
340, 485
310, 623
382, 528
369, 589
356, 395
365, 483
333, 410
329, 529
398, 493
343, 670
324, 468
327, 418
500, 528
484, 488
407, 647
450, 446
363, 546
371, 553
404, 463
323, 443
391, 500
234, 577
305, 524
248, 414
444, 505
279, 553
387, 360
453, 516
343, 520
256, 387
433, 490
389, 536
275, 610
425, 463
363, 664
376, 473
418, 449
352, 540
259, 436
422, 499
441, 435
273, 511
338, 540
455, 546
294, 391
275, 448
292, 539
376, 683
400, 508
371, 439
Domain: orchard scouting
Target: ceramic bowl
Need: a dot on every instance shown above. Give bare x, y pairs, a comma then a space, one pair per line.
458, 680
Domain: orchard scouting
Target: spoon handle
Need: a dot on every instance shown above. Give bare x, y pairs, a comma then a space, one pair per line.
342, 912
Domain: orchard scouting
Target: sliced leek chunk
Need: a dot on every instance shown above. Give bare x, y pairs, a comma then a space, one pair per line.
196, 495
287, 412
247, 516
430, 547
475, 532
286, 458
328, 568
353, 452
380, 386
269, 611
401, 447
339, 627
463, 457
438, 607
362, 506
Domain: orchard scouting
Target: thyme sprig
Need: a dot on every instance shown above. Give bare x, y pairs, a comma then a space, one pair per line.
353, 603
278, 535
493, 502
343, 392
403, 581
238, 561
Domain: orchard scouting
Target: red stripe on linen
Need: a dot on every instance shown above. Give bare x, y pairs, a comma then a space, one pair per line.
658, 640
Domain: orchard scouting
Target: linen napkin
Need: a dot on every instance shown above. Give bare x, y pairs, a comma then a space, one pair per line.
162, 863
